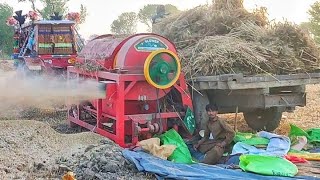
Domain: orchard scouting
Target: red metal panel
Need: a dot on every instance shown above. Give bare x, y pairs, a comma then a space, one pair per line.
108, 105
124, 51
130, 58
134, 107
142, 89
57, 62
110, 51
48, 61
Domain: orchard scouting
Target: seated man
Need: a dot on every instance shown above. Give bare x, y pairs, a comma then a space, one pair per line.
222, 135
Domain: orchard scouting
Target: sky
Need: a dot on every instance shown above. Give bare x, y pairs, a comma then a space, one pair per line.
101, 13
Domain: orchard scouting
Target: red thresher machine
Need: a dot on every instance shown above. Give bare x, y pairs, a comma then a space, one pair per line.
145, 91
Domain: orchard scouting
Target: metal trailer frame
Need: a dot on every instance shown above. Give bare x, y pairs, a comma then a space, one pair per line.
250, 92
262, 98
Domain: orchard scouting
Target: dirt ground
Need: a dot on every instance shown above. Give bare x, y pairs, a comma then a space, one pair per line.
37, 143
6, 65
30, 149
309, 116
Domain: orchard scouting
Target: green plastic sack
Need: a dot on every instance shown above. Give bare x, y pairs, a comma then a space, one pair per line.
181, 154
313, 135
250, 139
268, 165
296, 131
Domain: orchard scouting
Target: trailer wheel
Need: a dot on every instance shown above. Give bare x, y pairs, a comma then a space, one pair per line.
263, 119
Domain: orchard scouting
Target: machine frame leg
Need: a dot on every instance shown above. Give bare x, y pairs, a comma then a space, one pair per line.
120, 119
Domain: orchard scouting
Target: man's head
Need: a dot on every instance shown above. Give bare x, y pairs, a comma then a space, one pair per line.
212, 110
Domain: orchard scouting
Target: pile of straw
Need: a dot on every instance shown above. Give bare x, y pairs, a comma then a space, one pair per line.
89, 66
225, 38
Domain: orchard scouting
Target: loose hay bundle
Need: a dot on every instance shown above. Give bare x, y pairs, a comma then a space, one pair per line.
216, 55
225, 38
220, 55
299, 40
218, 19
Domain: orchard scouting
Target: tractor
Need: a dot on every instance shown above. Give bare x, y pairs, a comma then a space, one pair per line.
44, 46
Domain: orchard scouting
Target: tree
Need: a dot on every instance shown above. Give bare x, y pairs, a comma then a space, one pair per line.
306, 26
83, 14
6, 32
314, 24
125, 24
52, 6
148, 11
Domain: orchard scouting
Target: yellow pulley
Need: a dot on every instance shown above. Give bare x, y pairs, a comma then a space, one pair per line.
162, 69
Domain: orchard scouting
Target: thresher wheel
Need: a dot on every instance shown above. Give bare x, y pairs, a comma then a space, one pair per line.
162, 69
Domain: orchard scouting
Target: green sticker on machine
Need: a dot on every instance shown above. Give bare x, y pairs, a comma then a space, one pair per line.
150, 44
189, 121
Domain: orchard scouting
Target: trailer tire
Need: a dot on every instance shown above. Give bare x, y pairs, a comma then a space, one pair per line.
263, 119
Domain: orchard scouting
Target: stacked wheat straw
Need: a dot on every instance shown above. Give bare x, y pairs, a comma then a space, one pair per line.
225, 38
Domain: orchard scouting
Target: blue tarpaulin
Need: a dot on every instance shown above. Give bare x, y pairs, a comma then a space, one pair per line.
167, 169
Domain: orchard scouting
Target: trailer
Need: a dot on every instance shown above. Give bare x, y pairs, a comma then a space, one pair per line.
261, 98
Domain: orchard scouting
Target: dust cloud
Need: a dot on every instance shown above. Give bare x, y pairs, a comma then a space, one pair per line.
45, 92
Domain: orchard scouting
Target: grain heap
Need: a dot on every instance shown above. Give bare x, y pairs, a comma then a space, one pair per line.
224, 38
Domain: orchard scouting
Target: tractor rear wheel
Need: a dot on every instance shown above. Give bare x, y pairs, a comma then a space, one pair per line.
22, 69
263, 119
25, 72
